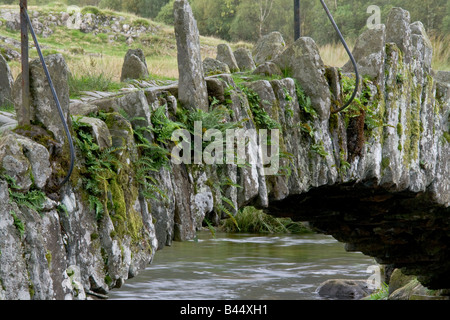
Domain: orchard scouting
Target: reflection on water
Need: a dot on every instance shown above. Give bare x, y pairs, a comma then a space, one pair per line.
245, 267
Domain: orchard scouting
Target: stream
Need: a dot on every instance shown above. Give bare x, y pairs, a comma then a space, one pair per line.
245, 267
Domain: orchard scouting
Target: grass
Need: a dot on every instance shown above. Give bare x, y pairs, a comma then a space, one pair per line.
252, 220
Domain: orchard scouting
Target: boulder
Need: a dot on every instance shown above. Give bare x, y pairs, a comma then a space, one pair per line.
6, 83
369, 54
225, 55
268, 47
344, 289
134, 66
24, 160
303, 60
81, 108
244, 59
398, 31
268, 69
212, 66
43, 108
192, 91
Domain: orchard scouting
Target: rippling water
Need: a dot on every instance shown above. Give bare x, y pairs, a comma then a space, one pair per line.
245, 267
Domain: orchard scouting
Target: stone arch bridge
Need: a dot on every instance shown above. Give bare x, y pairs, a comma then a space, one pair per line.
376, 177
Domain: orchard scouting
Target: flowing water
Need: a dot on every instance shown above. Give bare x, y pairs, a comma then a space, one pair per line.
245, 267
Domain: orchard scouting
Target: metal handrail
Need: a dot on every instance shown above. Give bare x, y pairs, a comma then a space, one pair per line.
297, 34
355, 66
55, 97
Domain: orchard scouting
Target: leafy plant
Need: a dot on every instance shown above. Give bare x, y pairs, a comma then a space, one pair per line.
99, 166
18, 224
33, 199
261, 117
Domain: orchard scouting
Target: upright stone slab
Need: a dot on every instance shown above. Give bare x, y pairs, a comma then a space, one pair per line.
268, 47
369, 53
6, 83
134, 65
398, 31
192, 91
302, 59
225, 55
43, 107
244, 59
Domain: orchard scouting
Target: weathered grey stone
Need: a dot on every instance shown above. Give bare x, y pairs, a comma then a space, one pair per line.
81, 108
369, 54
7, 122
225, 55
303, 60
212, 66
244, 59
344, 289
24, 160
134, 65
398, 31
100, 132
192, 91
6, 83
268, 47
443, 76
268, 69
43, 107
422, 46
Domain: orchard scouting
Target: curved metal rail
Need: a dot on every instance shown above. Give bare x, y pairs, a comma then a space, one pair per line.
330, 16
55, 97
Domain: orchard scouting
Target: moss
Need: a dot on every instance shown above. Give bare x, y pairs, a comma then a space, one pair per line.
385, 163
446, 136
48, 256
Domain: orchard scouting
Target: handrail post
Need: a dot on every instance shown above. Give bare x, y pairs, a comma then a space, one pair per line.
297, 20
24, 109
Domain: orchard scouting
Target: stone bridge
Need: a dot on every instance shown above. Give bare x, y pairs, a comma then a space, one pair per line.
376, 176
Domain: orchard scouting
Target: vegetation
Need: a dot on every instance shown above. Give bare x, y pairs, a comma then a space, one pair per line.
252, 220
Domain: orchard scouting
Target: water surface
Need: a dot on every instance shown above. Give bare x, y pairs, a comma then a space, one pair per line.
245, 267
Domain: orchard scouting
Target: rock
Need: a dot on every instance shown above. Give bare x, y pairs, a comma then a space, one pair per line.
212, 66
100, 132
134, 66
24, 160
422, 48
7, 122
398, 280
12, 260
244, 59
268, 69
443, 76
81, 108
369, 54
225, 55
303, 59
6, 83
268, 47
344, 289
43, 108
192, 91
398, 31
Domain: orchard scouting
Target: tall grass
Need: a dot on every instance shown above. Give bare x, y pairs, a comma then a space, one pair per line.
252, 220
441, 52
